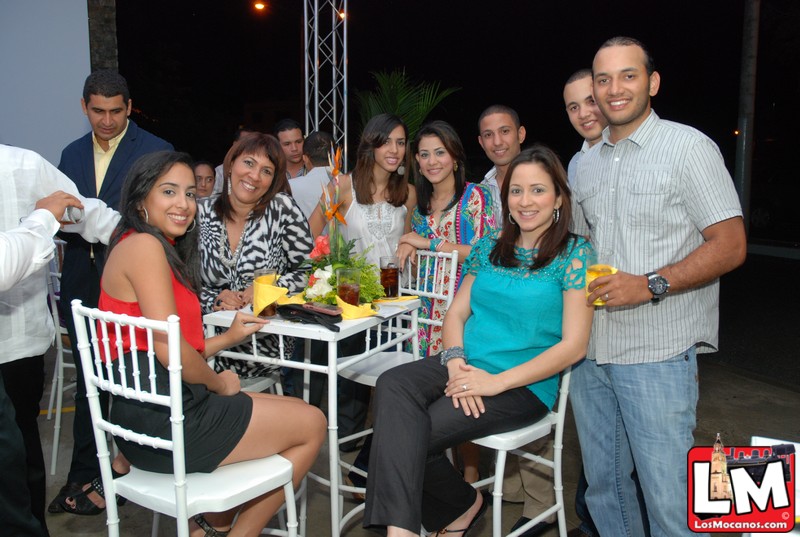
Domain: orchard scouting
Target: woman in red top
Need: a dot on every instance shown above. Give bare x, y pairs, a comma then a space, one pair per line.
153, 267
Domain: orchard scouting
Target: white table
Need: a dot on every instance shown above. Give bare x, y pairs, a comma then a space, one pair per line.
388, 334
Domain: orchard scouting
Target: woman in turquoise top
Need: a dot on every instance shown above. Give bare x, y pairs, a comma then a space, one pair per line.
518, 320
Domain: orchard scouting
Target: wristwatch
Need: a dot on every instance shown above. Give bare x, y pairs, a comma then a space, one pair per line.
658, 285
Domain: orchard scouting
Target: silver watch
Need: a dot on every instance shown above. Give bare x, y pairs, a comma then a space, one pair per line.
658, 285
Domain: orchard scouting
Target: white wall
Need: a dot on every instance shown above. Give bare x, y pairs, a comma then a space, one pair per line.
44, 60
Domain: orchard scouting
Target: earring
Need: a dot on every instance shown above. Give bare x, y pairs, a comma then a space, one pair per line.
401, 170
191, 228
229, 185
455, 167
511, 218
146, 216
556, 215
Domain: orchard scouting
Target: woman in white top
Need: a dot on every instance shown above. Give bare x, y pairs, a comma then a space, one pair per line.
376, 199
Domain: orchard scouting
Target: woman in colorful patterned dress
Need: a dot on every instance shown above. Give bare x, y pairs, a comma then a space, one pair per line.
450, 214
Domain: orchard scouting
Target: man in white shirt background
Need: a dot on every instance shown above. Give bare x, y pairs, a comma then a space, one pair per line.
307, 189
588, 122
26, 326
501, 136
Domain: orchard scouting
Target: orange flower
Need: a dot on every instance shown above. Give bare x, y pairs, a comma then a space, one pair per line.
333, 211
336, 162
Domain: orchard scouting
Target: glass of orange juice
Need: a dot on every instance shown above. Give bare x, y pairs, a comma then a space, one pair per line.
265, 276
592, 273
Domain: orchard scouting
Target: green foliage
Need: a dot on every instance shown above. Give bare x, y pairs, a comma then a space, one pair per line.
397, 94
370, 285
337, 253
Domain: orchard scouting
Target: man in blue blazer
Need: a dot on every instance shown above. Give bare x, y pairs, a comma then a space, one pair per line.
98, 164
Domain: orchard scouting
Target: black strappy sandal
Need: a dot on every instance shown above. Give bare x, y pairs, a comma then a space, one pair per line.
201, 521
86, 507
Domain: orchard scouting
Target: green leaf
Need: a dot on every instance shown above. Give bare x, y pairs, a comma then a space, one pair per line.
397, 94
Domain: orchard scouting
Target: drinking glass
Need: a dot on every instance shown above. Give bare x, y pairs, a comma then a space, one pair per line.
266, 276
348, 284
390, 275
592, 273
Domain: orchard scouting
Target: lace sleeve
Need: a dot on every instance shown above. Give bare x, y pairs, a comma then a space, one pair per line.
479, 255
577, 258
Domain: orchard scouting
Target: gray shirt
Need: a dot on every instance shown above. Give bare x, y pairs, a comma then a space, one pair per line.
644, 202
572, 167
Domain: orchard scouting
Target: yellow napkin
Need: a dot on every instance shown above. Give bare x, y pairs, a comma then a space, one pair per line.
294, 299
355, 312
401, 298
264, 295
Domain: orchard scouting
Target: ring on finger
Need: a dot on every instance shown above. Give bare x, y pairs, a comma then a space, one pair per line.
464, 387
606, 297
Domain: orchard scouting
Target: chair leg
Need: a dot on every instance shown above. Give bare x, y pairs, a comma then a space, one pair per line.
58, 393
558, 486
497, 494
56, 370
291, 509
156, 523
303, 506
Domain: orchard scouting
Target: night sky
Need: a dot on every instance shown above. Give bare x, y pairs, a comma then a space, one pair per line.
194, 65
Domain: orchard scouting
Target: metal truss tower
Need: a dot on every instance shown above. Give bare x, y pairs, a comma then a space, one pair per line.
325, 34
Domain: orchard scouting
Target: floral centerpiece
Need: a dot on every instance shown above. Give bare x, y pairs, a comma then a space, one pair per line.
332, 251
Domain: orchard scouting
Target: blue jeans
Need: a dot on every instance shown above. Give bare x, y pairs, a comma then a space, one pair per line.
642, 416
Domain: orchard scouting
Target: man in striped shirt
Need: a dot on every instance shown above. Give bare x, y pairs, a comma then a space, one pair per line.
657, 202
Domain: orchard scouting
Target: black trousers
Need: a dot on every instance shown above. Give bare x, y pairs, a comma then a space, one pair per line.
84, 466
22, 470
411, 482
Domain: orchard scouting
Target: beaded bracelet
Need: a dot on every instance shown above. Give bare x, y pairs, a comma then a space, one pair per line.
434, 245
452, 352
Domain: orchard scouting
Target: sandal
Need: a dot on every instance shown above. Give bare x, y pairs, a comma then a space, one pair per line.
201, 521
84, 506
70, 489
475, 520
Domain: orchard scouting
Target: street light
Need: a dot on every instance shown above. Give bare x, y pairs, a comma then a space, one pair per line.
260, 6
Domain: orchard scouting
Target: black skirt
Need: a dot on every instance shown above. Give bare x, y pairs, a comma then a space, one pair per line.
213, 424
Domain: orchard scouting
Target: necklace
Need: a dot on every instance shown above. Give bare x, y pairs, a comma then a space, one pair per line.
231, 261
